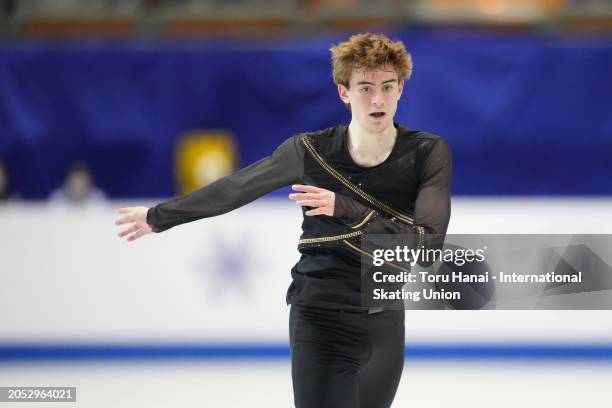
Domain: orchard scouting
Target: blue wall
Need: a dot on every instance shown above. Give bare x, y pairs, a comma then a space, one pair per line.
524, 114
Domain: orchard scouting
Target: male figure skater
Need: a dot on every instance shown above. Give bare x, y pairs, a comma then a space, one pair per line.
372, 176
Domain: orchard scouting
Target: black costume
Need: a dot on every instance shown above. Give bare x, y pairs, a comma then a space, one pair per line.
338, 346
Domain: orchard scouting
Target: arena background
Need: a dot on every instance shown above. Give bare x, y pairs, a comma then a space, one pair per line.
142, 100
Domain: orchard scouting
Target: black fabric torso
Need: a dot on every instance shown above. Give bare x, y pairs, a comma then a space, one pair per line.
328, 275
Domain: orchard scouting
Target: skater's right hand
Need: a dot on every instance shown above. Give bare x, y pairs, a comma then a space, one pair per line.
137, 217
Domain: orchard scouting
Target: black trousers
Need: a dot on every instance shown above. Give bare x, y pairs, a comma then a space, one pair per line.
342, 359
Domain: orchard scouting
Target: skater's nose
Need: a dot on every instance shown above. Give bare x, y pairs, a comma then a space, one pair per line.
377, 99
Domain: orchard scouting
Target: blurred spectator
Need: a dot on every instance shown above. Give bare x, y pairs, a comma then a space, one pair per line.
5, 192
3, 182
78, 187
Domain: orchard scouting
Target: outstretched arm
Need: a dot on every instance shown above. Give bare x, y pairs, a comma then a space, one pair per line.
285, 166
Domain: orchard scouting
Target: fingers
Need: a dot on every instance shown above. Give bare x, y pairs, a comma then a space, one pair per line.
309, 199
311, 203
124, 220
131, 215
133, 228
312, 196
137, 235
127, 216
304, 196
307, 189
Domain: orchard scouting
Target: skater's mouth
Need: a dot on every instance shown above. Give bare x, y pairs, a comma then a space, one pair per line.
377, 114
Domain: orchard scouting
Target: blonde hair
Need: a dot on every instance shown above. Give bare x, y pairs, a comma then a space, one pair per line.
369, 51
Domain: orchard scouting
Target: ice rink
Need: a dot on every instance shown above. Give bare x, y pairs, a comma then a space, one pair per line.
90, 288
241, 384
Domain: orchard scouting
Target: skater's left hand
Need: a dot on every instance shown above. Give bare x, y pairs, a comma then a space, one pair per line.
310, 196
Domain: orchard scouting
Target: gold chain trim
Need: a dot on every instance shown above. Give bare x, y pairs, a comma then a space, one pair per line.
331, 238
421, 231
360, 224
367, 218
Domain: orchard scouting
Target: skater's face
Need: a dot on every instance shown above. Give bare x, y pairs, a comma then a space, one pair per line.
373, 97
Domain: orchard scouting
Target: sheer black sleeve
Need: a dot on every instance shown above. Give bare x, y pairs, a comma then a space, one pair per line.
284, 167
432, 206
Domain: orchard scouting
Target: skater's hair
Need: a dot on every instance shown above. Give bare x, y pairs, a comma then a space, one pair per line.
369, 51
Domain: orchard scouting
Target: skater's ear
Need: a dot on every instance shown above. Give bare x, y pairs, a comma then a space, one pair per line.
343, 92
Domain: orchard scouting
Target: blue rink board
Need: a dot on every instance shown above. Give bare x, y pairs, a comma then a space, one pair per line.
107, 352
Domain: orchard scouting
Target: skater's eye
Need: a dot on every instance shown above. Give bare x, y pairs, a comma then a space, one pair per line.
387, 88
365, 89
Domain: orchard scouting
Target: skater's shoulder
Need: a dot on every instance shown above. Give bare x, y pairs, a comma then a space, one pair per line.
416, 134
326, 133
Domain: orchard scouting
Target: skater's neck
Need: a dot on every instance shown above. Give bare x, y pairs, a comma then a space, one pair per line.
369, 148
